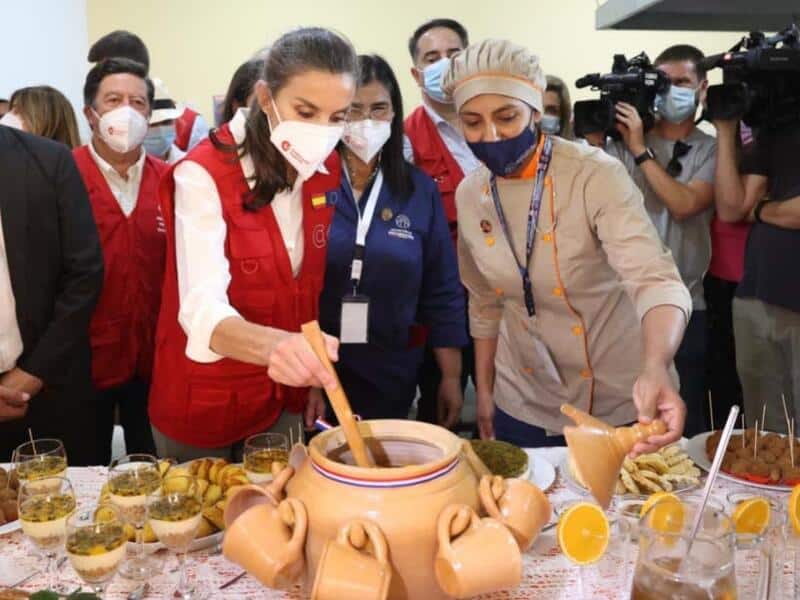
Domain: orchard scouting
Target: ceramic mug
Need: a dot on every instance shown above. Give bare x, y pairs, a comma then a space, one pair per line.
267, 541
475, 556
518, 504
247, 496
347, 568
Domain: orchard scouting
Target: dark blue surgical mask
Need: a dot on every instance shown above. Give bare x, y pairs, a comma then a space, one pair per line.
505, 157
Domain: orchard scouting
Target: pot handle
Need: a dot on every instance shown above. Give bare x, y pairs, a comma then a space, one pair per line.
276, 486
355, 534
454, 520
473, 460
293, 514
491, 489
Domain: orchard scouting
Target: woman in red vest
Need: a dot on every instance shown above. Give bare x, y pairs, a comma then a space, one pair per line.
247, 220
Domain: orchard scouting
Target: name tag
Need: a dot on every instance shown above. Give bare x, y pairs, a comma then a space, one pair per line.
355, 320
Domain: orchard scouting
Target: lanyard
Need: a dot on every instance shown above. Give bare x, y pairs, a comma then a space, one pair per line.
533, 218
364, 221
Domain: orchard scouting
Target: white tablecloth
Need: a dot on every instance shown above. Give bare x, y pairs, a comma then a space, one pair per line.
547, 573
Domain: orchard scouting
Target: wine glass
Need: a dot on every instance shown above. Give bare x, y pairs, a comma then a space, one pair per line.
43, 460
130, 480
261, 451
43, 514
96, 545
175, 515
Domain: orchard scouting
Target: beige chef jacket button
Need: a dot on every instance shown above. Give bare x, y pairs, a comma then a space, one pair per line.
558, 291
577, 330
498, 291
586, 373
547, 237
528, 370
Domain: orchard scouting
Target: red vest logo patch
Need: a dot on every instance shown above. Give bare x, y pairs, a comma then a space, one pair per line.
319, 236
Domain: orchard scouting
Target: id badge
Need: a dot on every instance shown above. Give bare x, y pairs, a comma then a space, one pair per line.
355, 319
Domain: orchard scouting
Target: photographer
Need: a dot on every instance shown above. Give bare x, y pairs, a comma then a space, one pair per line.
673, 166
766, 310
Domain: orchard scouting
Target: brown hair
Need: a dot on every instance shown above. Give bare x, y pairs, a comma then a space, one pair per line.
292, 54
47, 113
557, 85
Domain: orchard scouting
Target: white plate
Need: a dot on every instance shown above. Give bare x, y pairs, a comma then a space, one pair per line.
573, 484
10, 527
544, 473
696, 449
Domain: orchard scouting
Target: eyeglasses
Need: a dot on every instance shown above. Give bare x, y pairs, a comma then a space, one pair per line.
674, 166
377, 113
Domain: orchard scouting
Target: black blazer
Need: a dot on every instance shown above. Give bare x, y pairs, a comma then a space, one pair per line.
54, 257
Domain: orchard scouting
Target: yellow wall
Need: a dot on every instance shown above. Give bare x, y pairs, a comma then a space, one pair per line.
195, 45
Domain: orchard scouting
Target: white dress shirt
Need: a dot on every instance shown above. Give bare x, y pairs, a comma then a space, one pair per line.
453, 140
10, 337
200, 231
125, 190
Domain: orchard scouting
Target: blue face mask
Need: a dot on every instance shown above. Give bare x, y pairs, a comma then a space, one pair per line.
550, 124
504, 157
677, 104
159, 140
432, 80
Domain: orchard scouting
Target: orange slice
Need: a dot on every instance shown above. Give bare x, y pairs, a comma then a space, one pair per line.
752, 516
665, 513
794, 509
583, 533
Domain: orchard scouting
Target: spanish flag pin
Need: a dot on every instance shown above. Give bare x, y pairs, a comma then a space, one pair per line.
319, 201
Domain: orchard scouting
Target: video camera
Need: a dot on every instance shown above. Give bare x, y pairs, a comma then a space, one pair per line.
761, 80
635, 81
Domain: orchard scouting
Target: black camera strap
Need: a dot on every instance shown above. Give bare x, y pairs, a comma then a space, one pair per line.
533, 218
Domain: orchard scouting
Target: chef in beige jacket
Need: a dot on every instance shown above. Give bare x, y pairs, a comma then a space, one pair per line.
572, 297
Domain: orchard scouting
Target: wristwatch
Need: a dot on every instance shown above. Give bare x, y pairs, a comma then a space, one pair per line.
648, 154
757, 210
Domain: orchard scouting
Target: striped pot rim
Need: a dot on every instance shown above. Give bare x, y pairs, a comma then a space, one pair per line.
386, 483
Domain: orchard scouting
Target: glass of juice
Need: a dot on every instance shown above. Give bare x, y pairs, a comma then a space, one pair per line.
669, 566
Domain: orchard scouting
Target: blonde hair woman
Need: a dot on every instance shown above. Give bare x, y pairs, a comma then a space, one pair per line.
43, 110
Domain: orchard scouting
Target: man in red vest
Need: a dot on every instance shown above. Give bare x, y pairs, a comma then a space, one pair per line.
435, 144
122, 181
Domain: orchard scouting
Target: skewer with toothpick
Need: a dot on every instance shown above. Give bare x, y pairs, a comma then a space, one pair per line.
33, 444
711, 410
755, 442
786, 415
763, 415
791, 442
744, 432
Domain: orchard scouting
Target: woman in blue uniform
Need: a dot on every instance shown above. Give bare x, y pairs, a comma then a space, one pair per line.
392, 275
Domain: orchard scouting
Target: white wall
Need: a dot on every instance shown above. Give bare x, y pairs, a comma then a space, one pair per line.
44, 42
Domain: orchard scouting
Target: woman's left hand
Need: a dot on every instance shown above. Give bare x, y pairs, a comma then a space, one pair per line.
655, 397
315, 408
450, 400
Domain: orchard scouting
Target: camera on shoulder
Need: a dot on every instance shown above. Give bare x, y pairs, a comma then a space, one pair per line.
761, 81
635, 81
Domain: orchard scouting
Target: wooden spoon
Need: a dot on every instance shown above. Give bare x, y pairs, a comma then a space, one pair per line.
339, 402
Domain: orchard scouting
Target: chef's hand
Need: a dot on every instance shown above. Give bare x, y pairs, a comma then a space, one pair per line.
13, 404
450, 400
485, 401
292, 362
315, 408
630, 125
655, 397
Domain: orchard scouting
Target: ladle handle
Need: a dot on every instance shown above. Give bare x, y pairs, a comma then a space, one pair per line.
337, 397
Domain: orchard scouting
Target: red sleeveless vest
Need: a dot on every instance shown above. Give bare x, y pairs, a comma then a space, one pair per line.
432, 156
217, 404
122, 329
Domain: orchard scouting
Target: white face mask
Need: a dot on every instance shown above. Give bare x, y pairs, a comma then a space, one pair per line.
123, 128
365, 138
11, 119
304, 145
